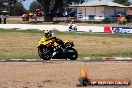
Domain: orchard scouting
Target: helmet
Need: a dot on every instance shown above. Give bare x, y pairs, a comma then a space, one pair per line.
72, 21
47, 33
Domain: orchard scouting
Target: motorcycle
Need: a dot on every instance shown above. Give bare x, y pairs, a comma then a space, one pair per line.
72, 27
50, 49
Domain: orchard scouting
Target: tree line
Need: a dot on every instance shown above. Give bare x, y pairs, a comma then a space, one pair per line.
14, 7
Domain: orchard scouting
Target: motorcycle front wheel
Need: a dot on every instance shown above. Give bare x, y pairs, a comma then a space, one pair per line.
71, 54
70, 29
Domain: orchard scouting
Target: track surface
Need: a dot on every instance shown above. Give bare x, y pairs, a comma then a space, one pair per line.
63, 60
60, 73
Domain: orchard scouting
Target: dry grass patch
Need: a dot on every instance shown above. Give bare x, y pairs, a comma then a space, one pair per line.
24, 45
17, 44
100, 45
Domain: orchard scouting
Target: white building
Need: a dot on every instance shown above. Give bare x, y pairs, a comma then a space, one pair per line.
100, 9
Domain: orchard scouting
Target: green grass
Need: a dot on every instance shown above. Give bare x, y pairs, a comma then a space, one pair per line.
23, 31
47, 81
116, 54
71, 33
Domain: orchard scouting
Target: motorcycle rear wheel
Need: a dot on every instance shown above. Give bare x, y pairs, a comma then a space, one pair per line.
75, 29
43, 53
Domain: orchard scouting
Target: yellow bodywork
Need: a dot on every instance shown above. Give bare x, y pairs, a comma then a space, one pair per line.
123, 19
43, 41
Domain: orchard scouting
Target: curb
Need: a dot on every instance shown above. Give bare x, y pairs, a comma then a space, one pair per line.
117, 58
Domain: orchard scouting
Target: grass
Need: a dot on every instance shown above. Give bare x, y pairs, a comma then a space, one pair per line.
70, 33
22, 31
19, 57
117, 54
22, 44
47, 81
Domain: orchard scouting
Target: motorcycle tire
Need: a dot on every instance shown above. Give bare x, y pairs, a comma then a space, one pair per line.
44, 54
72, 55
69, 29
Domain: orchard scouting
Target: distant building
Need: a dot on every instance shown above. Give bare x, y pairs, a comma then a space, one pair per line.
100, 9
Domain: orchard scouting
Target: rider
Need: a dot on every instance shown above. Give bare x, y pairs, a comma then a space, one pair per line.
49, 35
71, 23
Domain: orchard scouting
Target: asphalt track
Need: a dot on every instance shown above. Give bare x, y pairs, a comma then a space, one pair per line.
62, 60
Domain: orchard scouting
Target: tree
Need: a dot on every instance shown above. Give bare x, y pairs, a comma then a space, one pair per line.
51, 6
6, 4
35, 5
17, 9
12, 6
123, 2
75, 1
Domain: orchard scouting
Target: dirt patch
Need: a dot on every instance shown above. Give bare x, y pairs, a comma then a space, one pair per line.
60, 74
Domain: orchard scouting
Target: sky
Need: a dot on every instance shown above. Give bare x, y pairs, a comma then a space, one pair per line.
27, 3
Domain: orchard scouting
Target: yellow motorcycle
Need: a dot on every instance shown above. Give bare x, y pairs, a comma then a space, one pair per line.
53, 49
